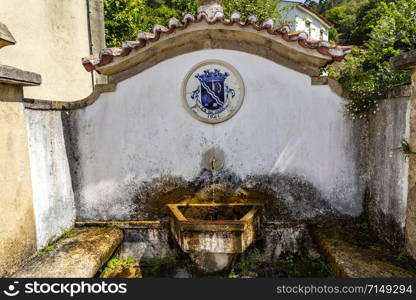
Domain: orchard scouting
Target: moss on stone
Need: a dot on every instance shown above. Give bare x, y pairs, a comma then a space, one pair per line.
121, 268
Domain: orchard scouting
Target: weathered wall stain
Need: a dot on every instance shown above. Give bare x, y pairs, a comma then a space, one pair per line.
137, 148
285, 197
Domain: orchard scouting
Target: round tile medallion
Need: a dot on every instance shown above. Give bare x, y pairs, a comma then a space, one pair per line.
213, 91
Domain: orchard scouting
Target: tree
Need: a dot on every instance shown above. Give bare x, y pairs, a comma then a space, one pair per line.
367, 71
320, 5
125, 18
367, 16
323, 5
344, 19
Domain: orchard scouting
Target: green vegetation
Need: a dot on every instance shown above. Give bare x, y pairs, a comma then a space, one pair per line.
68, 233
296, 266
288, 265
344, 19
381, 237
383, 29
364, 226
157, 262
117, 263
402, 256
323, 5
50, 247
244, 268
125, 18
116, 225
159, 266
404, 148
379, 30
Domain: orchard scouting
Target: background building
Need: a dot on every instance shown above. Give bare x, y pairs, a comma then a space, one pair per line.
304, 18
52, 36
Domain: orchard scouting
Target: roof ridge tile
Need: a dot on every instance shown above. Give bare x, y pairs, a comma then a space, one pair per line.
107, 55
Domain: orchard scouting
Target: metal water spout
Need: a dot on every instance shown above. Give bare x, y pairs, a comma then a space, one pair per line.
213, 167
213, 159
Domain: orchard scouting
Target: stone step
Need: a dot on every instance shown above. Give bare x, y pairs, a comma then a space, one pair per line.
78, 255
355, 253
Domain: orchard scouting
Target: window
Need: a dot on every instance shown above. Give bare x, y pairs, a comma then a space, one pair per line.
308, 24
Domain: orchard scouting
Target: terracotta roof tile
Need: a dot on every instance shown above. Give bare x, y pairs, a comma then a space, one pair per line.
106, 56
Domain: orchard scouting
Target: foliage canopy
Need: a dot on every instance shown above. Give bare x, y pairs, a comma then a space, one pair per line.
367, 71
125, 18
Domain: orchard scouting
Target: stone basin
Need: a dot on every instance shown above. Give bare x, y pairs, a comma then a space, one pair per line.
212, 233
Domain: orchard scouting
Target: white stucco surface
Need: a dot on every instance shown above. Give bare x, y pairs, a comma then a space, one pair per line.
142, 131
53, 198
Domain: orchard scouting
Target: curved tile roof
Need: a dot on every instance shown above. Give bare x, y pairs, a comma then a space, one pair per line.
106, 56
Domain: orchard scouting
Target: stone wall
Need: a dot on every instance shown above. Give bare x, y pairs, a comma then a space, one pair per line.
401, 62
388, 169
17, 223
290, 142
411, 204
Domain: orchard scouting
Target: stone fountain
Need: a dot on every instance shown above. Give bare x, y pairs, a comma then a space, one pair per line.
213, 233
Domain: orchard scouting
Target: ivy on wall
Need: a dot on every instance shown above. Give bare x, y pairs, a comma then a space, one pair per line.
367, 71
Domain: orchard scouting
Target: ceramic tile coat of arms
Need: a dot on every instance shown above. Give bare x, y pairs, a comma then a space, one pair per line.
213, 91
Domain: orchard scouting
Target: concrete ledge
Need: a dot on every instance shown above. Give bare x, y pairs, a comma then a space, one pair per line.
354, 253
404, 61
390, 93
37, 104
122, 224
6, 38
80, 255
15, 76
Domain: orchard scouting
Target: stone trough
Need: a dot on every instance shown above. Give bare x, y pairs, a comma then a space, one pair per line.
213, 233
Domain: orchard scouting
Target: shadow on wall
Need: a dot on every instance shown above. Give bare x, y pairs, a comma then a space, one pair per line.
285, 197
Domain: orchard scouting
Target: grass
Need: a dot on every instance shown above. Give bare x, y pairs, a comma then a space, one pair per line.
115, 263
156, 261
295, 266
47, 249
244, 268
364, 226
68, 233
116, 225
288, 265
402, 256
165, 267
